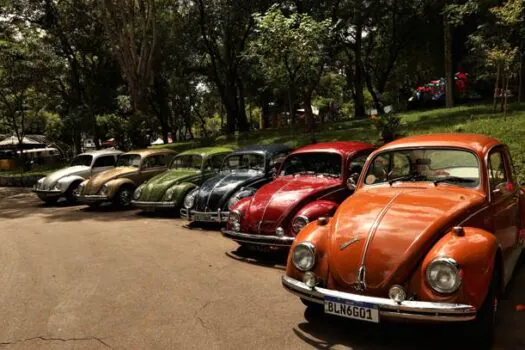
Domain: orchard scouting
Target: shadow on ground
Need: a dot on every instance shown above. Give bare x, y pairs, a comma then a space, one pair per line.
273, 259
325, 332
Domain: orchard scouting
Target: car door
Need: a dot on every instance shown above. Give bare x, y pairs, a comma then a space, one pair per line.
152, 165
504, 195
103, 163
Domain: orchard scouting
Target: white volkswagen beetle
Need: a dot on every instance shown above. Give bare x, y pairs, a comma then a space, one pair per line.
65, 182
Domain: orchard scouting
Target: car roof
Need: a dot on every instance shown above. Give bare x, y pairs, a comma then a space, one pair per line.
341, 147
100, 152
271, 149
207, 151
474, 142
151, 151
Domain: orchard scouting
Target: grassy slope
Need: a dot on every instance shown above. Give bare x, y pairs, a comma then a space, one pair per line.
469, 119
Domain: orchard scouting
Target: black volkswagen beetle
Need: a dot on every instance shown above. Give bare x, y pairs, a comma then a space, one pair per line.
242, 173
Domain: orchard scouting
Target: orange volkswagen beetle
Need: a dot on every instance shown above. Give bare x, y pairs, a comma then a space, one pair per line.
432, 233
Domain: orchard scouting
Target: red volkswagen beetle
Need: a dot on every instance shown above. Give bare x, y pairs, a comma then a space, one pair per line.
311, 183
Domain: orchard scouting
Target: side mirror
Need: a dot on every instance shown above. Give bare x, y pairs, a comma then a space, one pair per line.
351, 183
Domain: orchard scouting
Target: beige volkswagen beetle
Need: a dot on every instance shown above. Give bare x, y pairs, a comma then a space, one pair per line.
117, 185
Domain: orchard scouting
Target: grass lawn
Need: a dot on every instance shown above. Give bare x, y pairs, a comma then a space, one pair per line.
467, 119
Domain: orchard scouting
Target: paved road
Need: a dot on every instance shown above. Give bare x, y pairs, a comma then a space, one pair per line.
78, 279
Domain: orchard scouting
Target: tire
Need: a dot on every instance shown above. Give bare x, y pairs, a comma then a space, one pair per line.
483, 327
71, 192
123, 197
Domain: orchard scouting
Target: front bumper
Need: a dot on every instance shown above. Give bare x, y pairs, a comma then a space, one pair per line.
246, 238
153, 205
200, 216
93, 198
47, 193
407, 310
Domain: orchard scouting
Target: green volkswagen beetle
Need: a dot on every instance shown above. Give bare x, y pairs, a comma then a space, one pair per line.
187, 171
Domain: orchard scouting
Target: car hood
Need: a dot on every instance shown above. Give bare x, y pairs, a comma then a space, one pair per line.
79, 170
271, 204
388, 229
215, 192
96, 182
155, 188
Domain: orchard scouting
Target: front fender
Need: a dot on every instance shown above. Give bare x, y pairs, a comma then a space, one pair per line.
318, 235
180, 191
115, 184
66, 181
476, 254
316, 209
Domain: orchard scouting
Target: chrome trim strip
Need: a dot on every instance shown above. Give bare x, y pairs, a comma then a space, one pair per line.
258, 239
213, 189
472, 215
371, 233
329, 193
92, 198
268, 204
142, 204
420, 310
213, 216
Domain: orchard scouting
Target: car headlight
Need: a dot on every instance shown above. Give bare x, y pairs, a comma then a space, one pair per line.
138, 192
443, 275
298, 223
104, 190
58, 186
240, 195
234, 219
169, 194
189, 200
303, 256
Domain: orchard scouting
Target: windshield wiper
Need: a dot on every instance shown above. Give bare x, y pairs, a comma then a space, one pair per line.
334, 176
412, 177
453, 179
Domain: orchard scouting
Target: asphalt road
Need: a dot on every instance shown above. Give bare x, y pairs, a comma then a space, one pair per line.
71, 278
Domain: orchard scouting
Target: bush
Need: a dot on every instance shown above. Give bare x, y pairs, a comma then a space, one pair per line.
388, 125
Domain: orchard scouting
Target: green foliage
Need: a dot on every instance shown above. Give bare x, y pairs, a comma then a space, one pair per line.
54, 126
388, 125
114, 126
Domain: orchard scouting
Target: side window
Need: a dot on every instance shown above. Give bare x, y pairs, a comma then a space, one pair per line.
215, 162
104, 161
497, 172
355, 166
277, 159
155, 161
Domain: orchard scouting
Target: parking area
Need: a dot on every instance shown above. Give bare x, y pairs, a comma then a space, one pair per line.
75, 278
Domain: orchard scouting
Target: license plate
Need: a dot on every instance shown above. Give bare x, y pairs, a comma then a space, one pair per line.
203, 217
351, 309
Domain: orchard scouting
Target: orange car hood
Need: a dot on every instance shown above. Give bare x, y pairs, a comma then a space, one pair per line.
97, 181
387, 229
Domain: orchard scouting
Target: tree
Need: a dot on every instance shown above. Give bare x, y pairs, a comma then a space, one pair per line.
131, 30
290, 50
26, 70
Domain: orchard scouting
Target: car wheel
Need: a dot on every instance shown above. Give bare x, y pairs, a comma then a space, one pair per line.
71, 193
123, 197
484, 325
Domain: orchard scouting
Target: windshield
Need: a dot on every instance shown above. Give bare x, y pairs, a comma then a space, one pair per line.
84, 160
192, 161
437, 165
251, 161
132, 160
315, 163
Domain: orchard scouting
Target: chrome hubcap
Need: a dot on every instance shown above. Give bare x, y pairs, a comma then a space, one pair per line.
125, 197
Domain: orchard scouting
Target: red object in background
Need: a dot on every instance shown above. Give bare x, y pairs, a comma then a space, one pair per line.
509, 186
520, 307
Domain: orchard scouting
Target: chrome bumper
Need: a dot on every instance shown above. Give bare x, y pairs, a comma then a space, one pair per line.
200, 216
407, 310
93, 198
274, 241
153, 205
47, 193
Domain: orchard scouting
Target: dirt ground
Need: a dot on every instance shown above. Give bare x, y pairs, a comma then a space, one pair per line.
74, 278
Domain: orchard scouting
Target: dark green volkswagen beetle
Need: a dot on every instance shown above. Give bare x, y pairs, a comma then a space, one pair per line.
187, 171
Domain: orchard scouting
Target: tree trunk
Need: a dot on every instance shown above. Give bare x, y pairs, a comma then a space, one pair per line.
520, 77
308, 112
496, 87
359, 99
505, 103
242, 119
291, 103
449, 74
264, 121
375, 98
